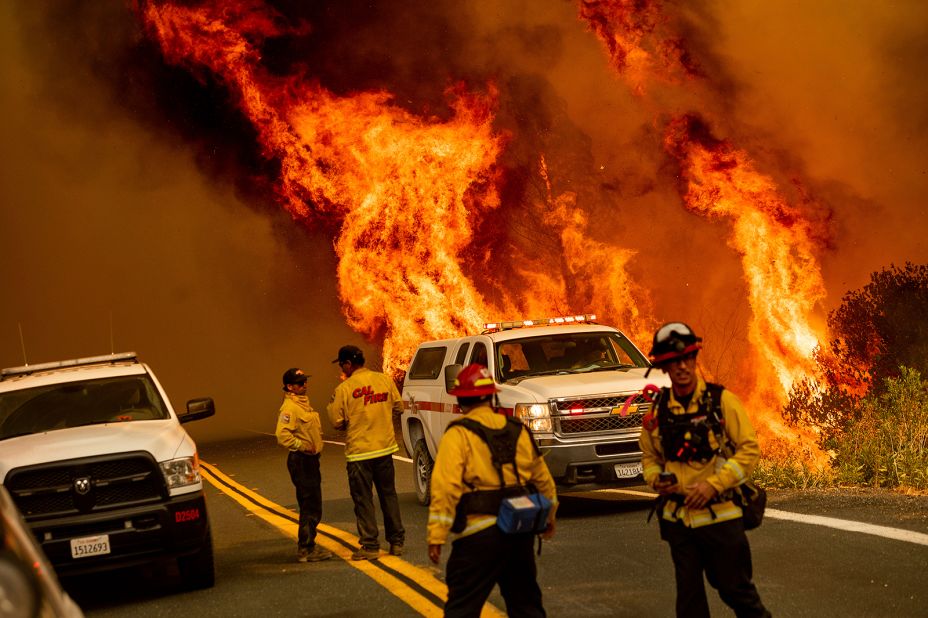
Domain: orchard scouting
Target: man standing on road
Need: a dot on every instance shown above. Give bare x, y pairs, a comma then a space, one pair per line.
682, 460
299, 431
466, 496
363, 405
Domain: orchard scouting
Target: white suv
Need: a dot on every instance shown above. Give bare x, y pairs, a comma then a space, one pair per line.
95, 458
575, 383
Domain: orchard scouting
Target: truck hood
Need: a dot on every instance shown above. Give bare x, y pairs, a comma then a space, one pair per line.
163, 439
542, 388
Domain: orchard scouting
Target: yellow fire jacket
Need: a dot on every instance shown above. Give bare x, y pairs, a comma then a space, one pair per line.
464, 464
298, 425
364, 405
722, 474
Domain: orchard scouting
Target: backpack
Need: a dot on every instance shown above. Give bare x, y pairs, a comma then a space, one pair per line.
685, 437
517, 508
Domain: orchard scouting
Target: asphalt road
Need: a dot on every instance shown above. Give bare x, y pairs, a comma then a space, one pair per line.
605, 560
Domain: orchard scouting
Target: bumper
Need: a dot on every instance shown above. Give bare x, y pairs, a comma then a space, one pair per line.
589, 461
136, 535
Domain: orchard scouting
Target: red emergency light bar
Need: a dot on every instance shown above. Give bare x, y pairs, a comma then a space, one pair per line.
587, 318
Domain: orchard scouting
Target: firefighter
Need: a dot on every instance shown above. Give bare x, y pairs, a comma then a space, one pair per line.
363, 405
482, 555
682, 460
300, 432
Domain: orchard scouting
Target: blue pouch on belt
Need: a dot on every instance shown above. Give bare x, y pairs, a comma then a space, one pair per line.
524, 514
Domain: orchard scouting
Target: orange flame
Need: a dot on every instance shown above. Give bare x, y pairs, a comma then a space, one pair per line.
777, 244
637, 42
407, 193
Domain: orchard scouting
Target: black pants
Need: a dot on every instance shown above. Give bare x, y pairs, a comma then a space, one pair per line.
362, 477
722, 552
304, 472
490, 557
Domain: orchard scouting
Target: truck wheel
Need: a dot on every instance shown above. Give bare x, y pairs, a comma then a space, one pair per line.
422, 465
197, 570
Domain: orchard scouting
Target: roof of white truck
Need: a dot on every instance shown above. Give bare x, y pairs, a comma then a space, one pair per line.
506, 331
88, 368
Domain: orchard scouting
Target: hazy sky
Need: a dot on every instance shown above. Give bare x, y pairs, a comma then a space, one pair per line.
124, 203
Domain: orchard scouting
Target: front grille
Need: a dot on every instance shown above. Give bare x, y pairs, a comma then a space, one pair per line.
595, 414
112, 481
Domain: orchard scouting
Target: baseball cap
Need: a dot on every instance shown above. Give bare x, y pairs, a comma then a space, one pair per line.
294, 375
349, 353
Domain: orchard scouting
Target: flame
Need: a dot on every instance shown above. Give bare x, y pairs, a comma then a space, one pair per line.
599, 267
411, 197
406, 193
635, 33
776, 242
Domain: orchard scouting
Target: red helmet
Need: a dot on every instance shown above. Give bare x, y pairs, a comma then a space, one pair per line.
672, 341
473, 381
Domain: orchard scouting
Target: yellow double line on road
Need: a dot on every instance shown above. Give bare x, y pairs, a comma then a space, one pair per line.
415, 586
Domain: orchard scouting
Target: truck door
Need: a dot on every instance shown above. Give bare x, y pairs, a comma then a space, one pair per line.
449, 402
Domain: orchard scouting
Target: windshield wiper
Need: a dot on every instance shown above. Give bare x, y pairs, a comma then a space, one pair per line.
550, 372
613, 367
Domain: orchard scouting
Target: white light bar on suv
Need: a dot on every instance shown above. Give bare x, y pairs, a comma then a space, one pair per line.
587, 318
89, 360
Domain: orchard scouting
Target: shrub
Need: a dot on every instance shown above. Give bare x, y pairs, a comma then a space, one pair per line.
887, 446
869, 407
792, 474
881, 327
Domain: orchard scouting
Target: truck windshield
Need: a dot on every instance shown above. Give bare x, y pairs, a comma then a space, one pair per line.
567, 353
71, 404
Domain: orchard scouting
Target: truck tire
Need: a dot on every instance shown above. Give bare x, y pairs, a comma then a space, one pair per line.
422, 472
197, 571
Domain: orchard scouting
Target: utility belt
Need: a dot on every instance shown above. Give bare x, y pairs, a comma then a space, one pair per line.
485, 502
679, 499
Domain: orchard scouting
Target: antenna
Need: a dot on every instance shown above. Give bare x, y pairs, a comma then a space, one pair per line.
22, 342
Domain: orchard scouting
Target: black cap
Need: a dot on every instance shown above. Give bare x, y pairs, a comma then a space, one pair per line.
350, 353
294, 375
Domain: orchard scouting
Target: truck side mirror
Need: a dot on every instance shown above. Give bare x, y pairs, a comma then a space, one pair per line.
451, 374
197, 409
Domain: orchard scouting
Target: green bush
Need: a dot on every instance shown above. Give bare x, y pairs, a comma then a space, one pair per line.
887, 446
792, 475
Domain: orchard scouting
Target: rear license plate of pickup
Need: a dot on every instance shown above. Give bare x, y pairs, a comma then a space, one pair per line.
627, 470
90, 546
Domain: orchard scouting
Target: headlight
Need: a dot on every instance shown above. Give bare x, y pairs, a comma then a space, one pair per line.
181, 472
536, 416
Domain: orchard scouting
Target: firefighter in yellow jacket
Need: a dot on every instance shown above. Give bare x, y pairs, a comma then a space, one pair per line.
300, 432
482, 555
363, 405
683, 461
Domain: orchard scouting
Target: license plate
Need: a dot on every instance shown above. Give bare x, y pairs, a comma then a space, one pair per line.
90, 546
627, 470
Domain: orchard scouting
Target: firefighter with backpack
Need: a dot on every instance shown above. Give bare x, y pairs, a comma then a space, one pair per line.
698, 446
492, 489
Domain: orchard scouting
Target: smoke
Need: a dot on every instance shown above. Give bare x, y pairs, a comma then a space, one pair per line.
826, 94
134, 190
110, 217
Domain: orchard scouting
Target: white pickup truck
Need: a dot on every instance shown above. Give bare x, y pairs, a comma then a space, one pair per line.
575, 383
96, 459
